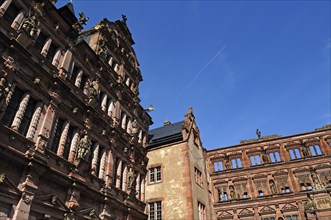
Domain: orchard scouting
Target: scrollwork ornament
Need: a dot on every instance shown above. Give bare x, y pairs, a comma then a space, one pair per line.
2, 177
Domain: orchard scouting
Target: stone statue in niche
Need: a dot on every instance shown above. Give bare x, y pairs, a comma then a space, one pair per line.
6, 77
310, 204
232, 192
30, 26
103, 51
93, 93
131, 179
272, 186
83, 148
227, 163
305, 151
265, 158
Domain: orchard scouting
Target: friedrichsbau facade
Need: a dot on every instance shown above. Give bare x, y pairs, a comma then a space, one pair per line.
72, 130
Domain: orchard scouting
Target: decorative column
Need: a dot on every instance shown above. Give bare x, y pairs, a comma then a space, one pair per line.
18, 20
326, 149
119, 174
142, 187
293, 181
111, 108
138, 186
284, 155
123, 121
140, 136
104, 102
79, 78
73, 147
20, 113
128, 126
34, 121
102, 164
95, 158
124, 178
45, 49
7, 100
4, 7
109, 167
63, 139
57, 57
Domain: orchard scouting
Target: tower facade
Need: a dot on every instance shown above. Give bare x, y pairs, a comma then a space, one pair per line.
178, 185
73, 132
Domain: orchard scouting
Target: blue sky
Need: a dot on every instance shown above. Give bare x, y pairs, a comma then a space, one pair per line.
241, 65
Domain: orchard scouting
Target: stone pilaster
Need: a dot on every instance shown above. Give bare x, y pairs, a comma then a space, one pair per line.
63, 139
95, 158
102, 164
73, 147
45, 49
119, 174
34, 122
20, 112
4, 7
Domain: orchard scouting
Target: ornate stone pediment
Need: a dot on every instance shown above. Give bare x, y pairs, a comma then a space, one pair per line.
267, 209
246, 212
90, 213
52, 200
289, 207
224, 215
7, 185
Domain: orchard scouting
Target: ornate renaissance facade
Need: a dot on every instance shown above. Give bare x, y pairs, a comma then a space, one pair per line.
72, 130
274, 178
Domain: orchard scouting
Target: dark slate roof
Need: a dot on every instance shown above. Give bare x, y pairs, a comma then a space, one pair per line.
166, 134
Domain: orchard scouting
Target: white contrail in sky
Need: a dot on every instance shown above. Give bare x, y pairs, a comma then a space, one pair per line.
201, 71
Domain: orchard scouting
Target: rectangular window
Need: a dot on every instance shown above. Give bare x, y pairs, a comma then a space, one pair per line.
292, 217
40, 42
74, 74
158, 174
11, 13
155, 210
51, 52
27, 117
57, 134
255, 160
13, 107
274, 157
198, 177
202, 211
295, 153
155, 174
236, 163
218, 166
315, 150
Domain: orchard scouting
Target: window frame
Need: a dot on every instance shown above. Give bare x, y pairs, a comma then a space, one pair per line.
155, 174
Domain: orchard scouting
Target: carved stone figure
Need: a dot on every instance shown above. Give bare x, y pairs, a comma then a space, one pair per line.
314, 176
4, 87
310, 204
30, 26
131, 179
82, 18
258, 133
232, 192
265, 158
103, 51
272, 186
83, 147
2, 177
93, 92
227, 163
134, 127
305, 151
